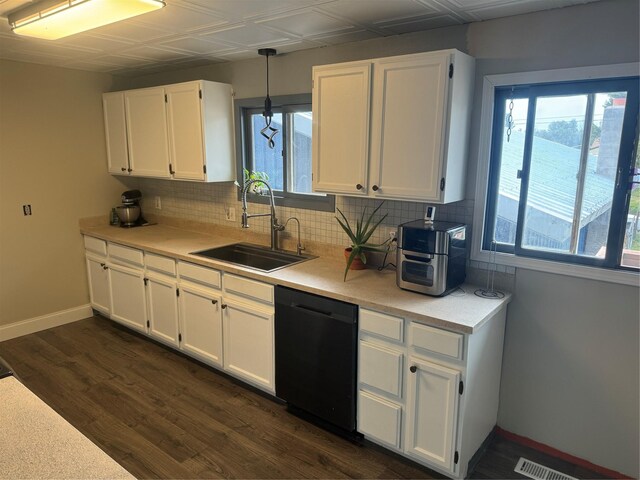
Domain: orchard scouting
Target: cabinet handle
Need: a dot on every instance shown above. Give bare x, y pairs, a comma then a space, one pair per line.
215, 302
413, 369
104, 267
223, 306
129, 170
375, 188
123, 169
358, 187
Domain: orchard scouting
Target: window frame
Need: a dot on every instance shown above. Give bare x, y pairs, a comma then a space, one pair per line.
284, 104
554, 264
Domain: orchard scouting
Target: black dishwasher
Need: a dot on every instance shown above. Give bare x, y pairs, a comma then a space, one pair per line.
316, 351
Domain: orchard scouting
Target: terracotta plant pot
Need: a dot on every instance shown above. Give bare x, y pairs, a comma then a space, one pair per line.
357, 263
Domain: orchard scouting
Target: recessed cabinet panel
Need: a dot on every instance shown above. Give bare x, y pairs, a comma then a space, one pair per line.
248, 343
381, 324
115, 126
408, 118
381, 368
436, 340
98, 274
432, 406
379, 419
201, 323
128, 302
341, 128
147, 132
163, 309
184, 118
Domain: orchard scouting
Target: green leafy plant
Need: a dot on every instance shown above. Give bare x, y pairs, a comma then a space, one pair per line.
251, 175
361, 235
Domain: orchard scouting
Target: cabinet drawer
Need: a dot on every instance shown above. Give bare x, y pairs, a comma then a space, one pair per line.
381, 324
160, 264
198, 274
262, 292
126, 254
95, 245
381, 368
379, 419
435, 340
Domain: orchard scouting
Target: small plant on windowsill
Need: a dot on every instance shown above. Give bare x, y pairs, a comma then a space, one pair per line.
257, 187
355, 254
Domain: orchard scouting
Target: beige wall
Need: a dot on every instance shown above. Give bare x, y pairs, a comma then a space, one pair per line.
52, 156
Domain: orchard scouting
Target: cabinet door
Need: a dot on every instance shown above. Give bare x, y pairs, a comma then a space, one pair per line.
115, 129
201, 324
341, 128
128, 303
408, 124
98, 274
248, 343
147, 132
184, 120
379, 419
162, 299
432, 413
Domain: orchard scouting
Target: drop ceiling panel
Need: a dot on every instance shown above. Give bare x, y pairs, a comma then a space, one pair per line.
199, 32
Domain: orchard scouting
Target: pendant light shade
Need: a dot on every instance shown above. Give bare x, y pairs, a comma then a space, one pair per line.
268, 131
53, 19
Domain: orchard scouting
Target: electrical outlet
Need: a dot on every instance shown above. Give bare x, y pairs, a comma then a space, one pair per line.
158, 203
26, 209
392, 234
231, 214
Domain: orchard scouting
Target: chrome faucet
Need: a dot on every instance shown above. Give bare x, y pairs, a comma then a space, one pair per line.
299, 246
275, 226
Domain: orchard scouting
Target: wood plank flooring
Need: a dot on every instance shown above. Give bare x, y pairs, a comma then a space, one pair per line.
162, 415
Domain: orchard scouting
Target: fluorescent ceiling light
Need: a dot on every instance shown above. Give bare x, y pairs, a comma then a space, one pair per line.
53, 19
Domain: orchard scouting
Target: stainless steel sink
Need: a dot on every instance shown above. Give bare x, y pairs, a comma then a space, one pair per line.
253, 256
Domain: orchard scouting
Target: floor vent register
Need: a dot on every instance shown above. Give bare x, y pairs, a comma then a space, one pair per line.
539, 472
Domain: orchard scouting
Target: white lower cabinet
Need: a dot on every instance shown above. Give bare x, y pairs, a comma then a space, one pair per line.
380, 419
162, 299
201, 323
432, 412
249, 342
128, 301
98, 275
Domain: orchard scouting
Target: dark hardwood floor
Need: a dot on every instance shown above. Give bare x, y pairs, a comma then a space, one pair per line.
162, 415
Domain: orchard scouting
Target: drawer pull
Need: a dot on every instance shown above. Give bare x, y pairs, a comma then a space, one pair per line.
358, 187
215, 302
223, 306
413, 369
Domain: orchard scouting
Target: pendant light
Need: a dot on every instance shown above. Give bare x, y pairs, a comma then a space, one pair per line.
268, 131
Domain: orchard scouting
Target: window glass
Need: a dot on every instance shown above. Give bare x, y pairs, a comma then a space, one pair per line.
300, 160
631, 247
265, 159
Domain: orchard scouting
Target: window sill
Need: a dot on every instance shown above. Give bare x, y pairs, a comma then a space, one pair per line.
622, 277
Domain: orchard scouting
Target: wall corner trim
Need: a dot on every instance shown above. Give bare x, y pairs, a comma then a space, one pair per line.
36, 324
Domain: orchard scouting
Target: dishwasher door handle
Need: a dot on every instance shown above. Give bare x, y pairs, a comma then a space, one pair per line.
312, 309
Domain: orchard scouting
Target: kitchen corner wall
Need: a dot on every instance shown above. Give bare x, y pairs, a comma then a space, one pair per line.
52, 157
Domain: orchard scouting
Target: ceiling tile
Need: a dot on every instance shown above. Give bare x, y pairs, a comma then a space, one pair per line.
95, 42
408, 26
338, 38
245, 9
129, 31
247, 36
306, 23
374, 11
180, 19
154, 53
195, 45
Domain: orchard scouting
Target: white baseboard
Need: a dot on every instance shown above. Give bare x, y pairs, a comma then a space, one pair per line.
32, 325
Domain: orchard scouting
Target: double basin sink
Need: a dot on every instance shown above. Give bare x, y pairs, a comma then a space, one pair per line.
253, 256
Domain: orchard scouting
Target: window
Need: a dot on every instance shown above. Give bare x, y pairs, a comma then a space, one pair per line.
561, 173
287, 166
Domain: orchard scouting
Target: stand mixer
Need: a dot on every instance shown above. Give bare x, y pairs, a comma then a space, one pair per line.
129, 212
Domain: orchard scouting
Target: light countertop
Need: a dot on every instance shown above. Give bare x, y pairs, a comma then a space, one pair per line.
459, 311
37, 443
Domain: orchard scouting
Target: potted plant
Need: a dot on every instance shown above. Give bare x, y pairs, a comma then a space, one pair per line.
355, 254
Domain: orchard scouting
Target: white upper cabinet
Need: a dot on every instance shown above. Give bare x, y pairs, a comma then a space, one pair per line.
147, 132
182, 131
341, 115
417, 129
115, 128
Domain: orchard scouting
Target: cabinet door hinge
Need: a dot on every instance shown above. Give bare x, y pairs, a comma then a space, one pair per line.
171, 171
313, 84
148, 324
200, 94
146, 282
456, 457
442, 183
166, 99
177, 292
451, 70
461, 387
204, 168
179, 337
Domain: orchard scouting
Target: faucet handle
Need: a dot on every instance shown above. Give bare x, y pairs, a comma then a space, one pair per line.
300, 248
